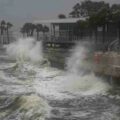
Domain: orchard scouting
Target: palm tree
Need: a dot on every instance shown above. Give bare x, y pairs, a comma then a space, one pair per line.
26, 28
61, 16
3, 23
32, 29
39, 28
8, 26
2, 26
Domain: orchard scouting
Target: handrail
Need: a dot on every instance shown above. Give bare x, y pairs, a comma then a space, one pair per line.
114, 43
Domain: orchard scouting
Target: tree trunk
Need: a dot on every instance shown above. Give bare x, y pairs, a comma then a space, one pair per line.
2, 30
8, 38
1, 37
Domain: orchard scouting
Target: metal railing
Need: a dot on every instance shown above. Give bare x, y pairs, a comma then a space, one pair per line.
114, 45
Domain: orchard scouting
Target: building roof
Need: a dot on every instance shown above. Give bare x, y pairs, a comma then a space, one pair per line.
66, 20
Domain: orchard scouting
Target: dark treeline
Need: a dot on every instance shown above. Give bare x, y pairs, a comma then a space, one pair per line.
29, 29
88, 8
98, 14
4, 31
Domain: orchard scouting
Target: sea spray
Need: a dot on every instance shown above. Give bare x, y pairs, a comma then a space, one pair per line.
76, 63
24, 100
87, 84
80, 75
75, 81
26, 52
25, 49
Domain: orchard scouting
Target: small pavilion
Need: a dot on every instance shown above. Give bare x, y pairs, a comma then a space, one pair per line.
61, 30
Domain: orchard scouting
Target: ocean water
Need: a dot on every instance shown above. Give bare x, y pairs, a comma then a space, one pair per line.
30, 89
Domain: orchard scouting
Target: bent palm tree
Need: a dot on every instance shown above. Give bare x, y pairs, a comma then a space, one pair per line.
8, 26
2, 24
32, 28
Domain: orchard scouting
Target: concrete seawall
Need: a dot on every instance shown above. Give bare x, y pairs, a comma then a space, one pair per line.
107, 63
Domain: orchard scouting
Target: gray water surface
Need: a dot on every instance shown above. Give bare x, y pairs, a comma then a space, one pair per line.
20, 98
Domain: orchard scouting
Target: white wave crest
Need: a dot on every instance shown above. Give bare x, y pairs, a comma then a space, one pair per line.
25, 49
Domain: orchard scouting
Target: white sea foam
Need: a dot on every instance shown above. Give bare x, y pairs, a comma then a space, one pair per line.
25, 49
80, 76
50, 82
27, 107
75, 81
76, 62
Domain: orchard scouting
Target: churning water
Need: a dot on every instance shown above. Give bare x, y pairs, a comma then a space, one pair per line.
30, 89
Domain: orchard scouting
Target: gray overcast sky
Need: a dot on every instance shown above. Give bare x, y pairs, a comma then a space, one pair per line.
19, 11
